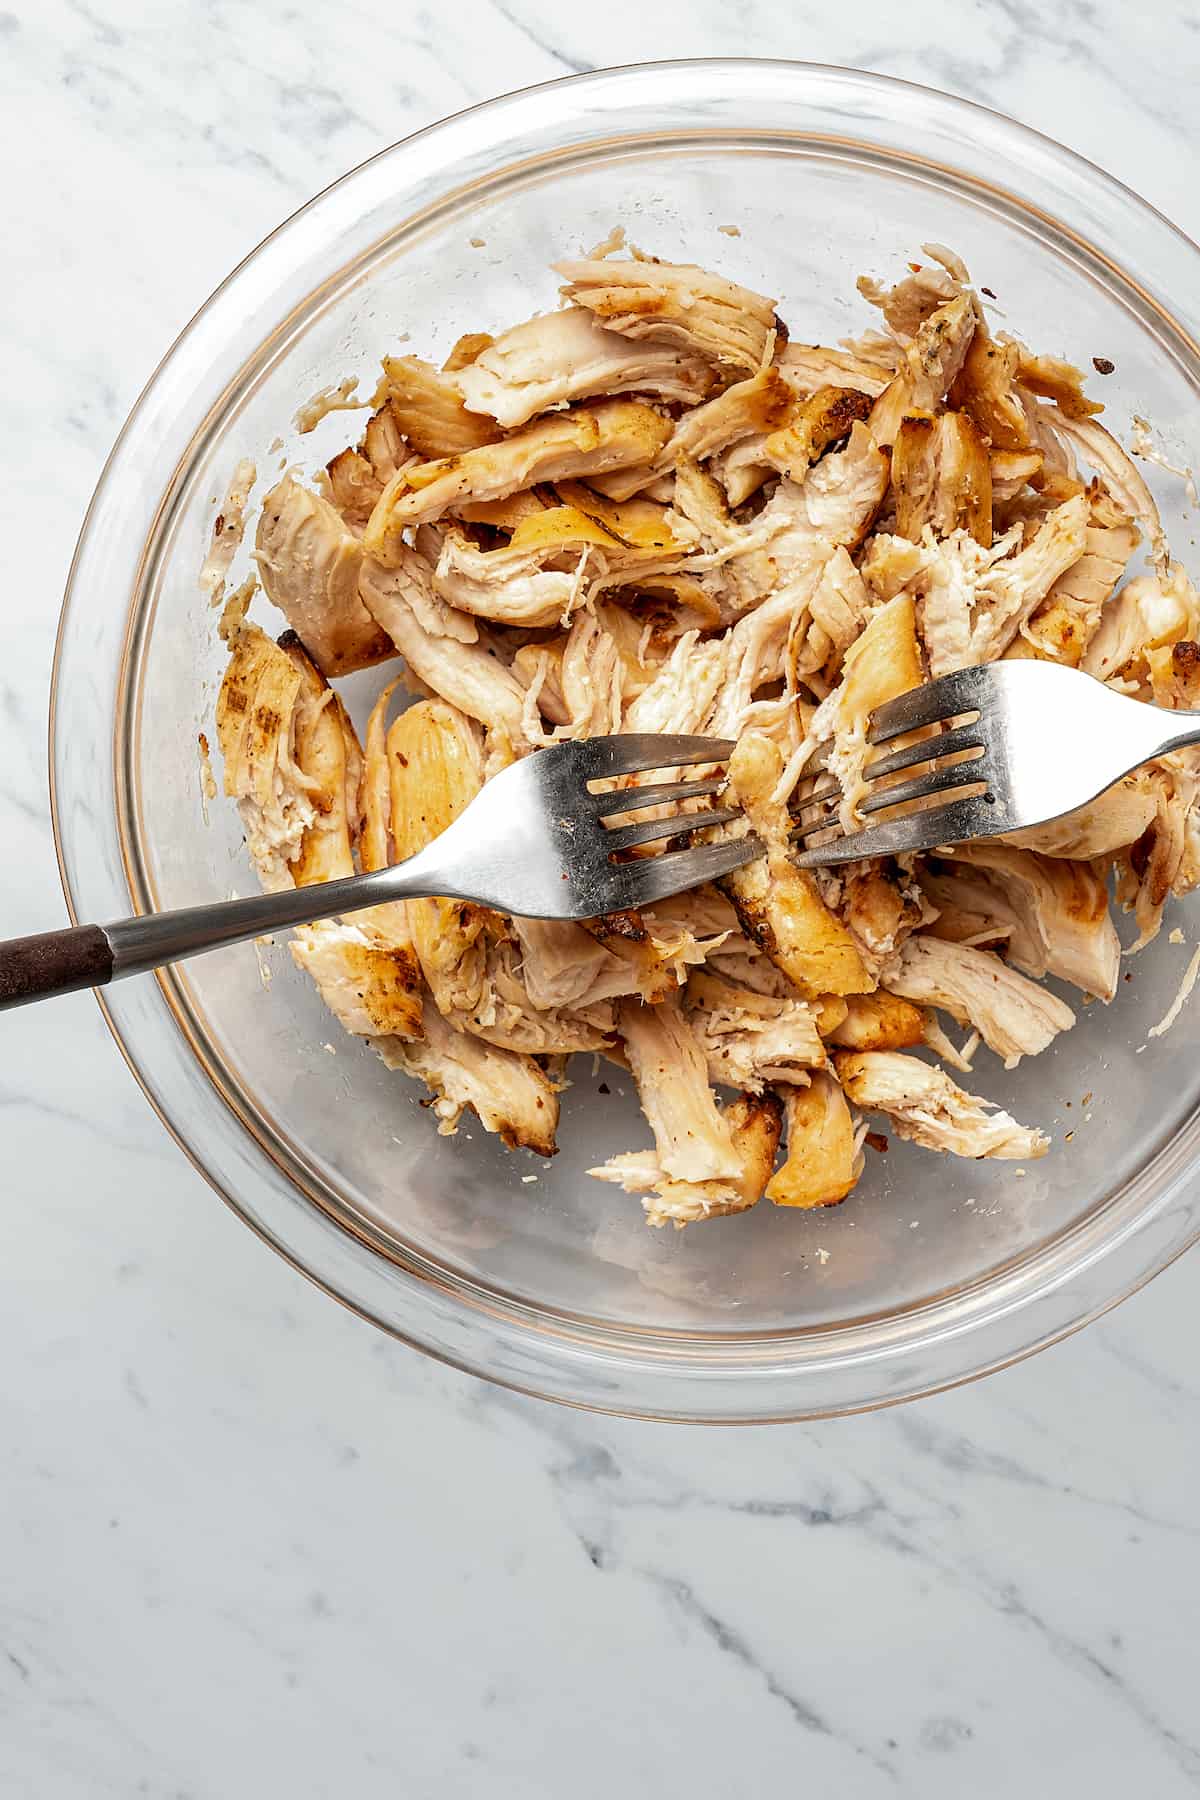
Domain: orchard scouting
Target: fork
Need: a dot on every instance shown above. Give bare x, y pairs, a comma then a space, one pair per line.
1008, 745
534, 841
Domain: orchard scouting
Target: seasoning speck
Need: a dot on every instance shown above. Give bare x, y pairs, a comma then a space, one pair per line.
329, 1048
730, 230
604, 1088
1176, 937
988, 292
477, 243
529, 1178
1103, 365
822, 1257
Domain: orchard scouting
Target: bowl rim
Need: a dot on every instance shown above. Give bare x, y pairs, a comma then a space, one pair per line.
687, 1389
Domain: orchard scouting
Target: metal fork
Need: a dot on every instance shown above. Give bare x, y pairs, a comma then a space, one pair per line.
534, 841
1006, 746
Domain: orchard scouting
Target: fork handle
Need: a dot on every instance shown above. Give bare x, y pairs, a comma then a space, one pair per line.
59, 962
54, 962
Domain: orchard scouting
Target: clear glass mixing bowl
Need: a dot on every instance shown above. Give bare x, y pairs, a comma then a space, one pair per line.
935, 1270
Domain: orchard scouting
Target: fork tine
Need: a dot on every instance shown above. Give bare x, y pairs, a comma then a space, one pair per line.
634, 799
961, 692
635, 751
948, 824
818, 797
947, 743
624, 837
934, 781
658, 877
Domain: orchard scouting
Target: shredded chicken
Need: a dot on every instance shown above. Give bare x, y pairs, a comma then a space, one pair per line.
676, 303
753, 1124
584, 440
926, 1106
1013, 1015
568, 355
823, 1161
649, 511
373, 990
256, 722
750, 1039
309, 563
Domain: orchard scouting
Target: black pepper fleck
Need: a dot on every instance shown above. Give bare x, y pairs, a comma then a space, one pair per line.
1103, 365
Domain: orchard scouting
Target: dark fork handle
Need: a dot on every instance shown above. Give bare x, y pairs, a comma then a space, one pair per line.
57, 962
54, 962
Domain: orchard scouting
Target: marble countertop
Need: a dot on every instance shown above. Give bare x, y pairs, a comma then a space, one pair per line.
250, 1545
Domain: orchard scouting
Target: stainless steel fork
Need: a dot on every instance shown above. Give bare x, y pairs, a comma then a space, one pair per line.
534, 841
1003, 747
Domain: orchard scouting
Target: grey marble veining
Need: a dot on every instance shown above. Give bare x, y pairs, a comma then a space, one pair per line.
251, 1546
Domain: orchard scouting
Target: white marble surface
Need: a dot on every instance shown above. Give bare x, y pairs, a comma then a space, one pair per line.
249, 1546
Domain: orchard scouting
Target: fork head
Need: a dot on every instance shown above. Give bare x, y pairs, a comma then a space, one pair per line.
550, 836
979, 752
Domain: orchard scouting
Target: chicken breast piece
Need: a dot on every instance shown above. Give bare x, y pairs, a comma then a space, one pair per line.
434, 766
401, 600
1166, 860
974, 601
1064, 626
942, 477
675, 303
357, 477
1054, 914
754, 1123
757, 406
229, 527
373, 989
309, 563
808, 367
584, 440
926, 1106
509, 1094
1149, 612
569, 355
816, 422
429, 409
1014, 1016
504, 1014
1051, 378
255, 728
1117, 471
879, 1021
881, 907
386, 925
882, 663
928, 367
985, 388
779, 906
326, 750
565, 966
908, 304
692, 1139
749, 1039
655, 968
511, 586
1103, 827
822, 1163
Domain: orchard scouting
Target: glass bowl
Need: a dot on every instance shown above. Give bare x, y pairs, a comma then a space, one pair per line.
794, 179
